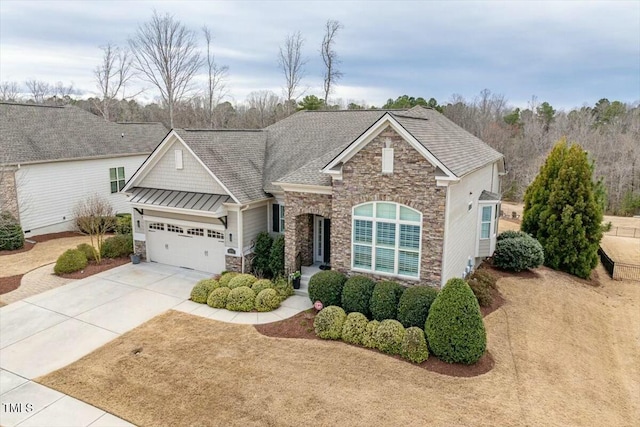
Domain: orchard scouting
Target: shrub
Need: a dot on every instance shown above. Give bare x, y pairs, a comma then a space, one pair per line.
123, 223
454, 328
518, 253
481, 282
510, 234
226, 277
11, 235
276, 257
117, 246
242, 280
218, 297
414, 346
87, 250
354, 328
414, 305
326, 287
241, 299
485, 276
260, 285
284, 288
389, 336
267, 300
202, 289
368, 337
356, 295
262, 252
71, 260
328, 323
384, 300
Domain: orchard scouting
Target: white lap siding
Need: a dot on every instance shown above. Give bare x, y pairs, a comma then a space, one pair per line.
253, 222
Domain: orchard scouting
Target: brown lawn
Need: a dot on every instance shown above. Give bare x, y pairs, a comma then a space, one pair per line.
622, 249
565, 353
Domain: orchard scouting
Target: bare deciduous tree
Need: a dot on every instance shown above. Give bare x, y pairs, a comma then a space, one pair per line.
216, 79
330, 57
93, 216
263, 109
166, 55
292, 65
111, 76
9, 91
39, 90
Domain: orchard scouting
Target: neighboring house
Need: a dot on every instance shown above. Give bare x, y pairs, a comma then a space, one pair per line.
400, 194
53, 157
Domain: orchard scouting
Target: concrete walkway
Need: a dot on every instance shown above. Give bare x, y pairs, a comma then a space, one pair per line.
48, 331
35, 282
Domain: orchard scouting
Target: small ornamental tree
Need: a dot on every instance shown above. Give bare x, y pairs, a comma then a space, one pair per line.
454, 328
92, 216
563, 210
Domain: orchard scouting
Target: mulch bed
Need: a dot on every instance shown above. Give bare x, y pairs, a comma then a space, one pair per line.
39, 239
11, 283
93, 268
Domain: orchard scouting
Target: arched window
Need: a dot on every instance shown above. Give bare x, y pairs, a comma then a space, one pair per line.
386, 239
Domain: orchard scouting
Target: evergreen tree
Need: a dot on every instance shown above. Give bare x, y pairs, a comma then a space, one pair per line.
563, 210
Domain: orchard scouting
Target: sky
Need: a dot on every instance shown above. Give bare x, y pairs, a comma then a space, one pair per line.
567, 53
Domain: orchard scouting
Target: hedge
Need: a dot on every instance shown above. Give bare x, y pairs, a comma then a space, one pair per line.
414, 305
354, 328
70, 261
356, 295
414, 345
202, 289
368, 338
241, 299
260, 285
267, 300
384, 300
328, 323
117, 246
242, 280
518, 253
218, 297
226, 277
326, 287
389, 336
87, 250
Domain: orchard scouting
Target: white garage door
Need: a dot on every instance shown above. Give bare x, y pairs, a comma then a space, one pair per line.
183, 246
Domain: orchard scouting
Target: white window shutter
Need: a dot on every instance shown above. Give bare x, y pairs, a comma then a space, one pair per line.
178, 159
387, 160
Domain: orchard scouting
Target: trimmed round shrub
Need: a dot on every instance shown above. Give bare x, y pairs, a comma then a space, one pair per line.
260, 285
389, 336
218, 297
328, 323
241, 299
87, 250
354, 328
485, 276
384, 300
455, 331
481, 292
267, 300
414, 305
284, 288
226, 277
368, 338
242, 280
326, 287
356, 295
70, 261
518, 253
202, 289
117, 246
414, 345
11, 235
510, 234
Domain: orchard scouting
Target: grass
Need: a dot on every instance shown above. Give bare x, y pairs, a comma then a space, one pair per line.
565, 354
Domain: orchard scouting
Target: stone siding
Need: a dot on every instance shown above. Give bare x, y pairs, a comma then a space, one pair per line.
412, 183
8, 194
233, 263
140, 247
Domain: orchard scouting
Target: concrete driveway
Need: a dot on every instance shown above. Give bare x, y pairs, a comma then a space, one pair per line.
51, 330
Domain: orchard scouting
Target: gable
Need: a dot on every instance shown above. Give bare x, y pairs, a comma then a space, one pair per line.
193, 176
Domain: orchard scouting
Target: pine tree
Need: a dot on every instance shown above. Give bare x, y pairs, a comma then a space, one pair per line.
563, 210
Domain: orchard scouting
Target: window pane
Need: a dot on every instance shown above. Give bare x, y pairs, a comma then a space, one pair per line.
486, 213
362, 231
114, 187
385, 260
386, 234
281, 218
409, 236
120, 185
362, 256
386, 210
121, 173
112, 174
364, 210
484, 233
408, 263
407, 214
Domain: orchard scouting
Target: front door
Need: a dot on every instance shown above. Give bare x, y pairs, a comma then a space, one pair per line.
318, 238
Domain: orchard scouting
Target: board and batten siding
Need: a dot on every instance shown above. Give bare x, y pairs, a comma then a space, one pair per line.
461, 234
192, 177
253, 222
48, 192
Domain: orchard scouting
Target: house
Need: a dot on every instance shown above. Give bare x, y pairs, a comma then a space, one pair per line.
401, 194
53, 157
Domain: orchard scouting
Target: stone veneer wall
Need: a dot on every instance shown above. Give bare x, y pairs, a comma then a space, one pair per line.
8, 192
140, 247
412, 183
299, 209
233, 263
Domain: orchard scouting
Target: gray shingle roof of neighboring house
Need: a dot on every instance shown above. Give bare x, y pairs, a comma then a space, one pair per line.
32, 133
236, 157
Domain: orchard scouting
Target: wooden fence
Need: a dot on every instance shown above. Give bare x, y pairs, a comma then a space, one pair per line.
619, 270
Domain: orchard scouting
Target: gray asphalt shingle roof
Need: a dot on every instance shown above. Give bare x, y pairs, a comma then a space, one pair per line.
36, 133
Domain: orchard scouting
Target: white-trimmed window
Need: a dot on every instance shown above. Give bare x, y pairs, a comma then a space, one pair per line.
485, 222
278, 218
178, 154
116, 178
386, 239
215, 234
156, 226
